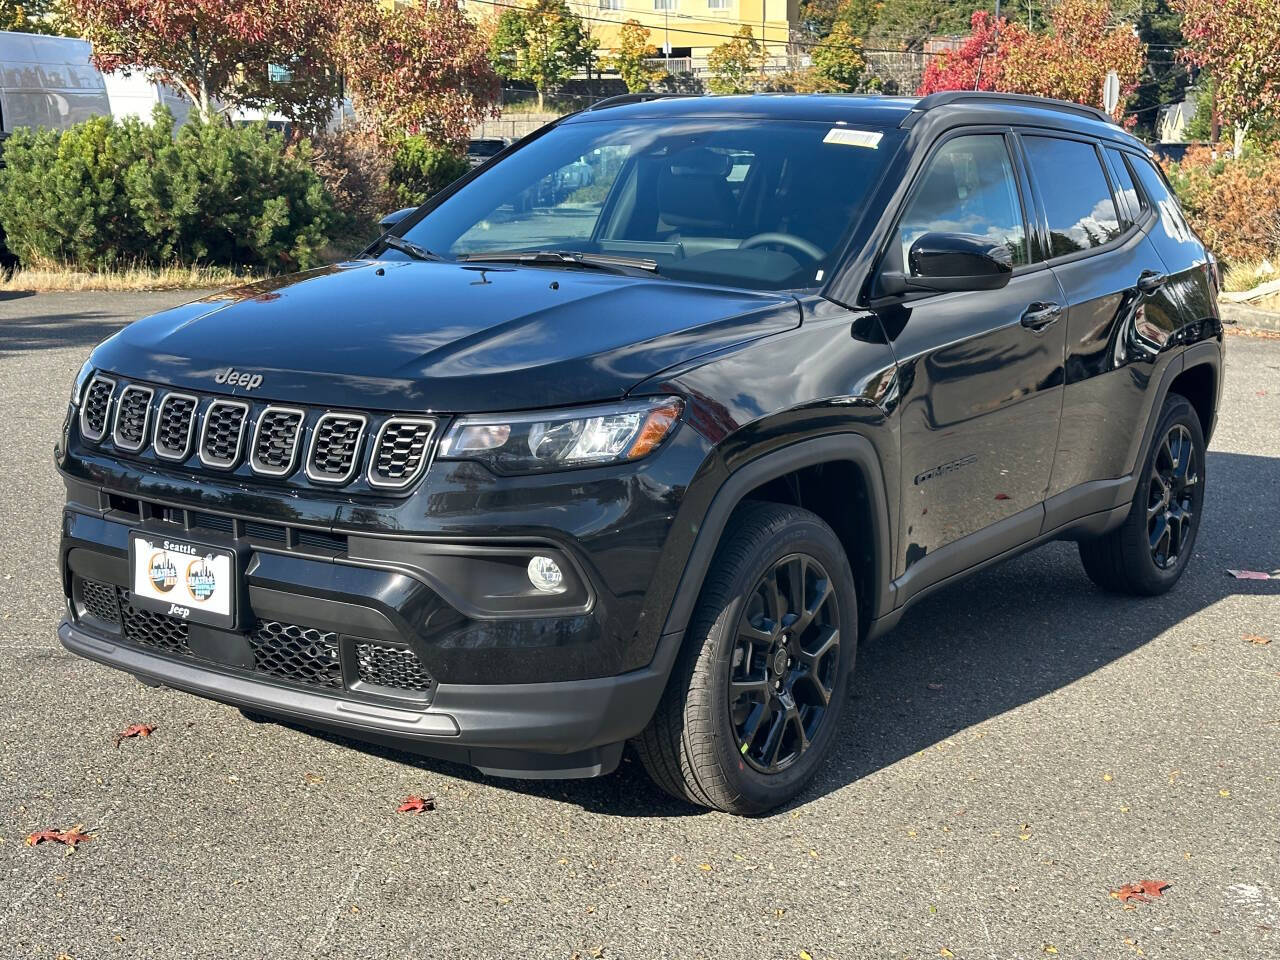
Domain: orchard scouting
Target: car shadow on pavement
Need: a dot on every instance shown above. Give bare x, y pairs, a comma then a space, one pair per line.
1003, 638
57, 330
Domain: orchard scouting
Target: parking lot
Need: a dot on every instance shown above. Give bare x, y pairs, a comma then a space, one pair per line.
1019, 746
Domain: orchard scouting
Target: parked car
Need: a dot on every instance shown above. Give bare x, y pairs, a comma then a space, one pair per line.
478, 151
518, 487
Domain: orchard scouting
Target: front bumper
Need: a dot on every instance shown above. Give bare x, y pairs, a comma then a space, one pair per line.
574, 728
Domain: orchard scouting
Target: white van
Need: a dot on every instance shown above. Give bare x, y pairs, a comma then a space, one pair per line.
136, 95
48, 82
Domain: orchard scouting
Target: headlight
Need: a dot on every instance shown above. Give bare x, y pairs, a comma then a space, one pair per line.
556, 440
77, 388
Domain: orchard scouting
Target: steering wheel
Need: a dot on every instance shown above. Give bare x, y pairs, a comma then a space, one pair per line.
786, 240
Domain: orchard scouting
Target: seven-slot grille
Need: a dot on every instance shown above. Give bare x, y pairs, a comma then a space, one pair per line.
223, 433
96, 407
275, 441
335, 445
175, 425
330, 446
133, 412
400, 452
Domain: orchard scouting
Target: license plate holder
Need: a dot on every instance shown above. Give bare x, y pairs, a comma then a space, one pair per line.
183, 578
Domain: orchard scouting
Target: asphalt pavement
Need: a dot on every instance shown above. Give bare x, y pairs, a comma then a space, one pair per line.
1021, 745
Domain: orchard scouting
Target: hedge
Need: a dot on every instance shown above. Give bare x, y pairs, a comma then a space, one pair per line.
109, 193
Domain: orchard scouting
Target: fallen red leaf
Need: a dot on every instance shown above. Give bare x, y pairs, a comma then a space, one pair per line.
1002, 496
137, 730
1144, 891
1254, 574
69, 837
416, 804
1258, 641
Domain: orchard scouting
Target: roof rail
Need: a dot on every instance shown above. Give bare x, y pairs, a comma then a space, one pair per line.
946, 97
622, 99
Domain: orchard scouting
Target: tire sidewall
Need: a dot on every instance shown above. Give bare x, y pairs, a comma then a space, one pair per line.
812, 537
1179, 411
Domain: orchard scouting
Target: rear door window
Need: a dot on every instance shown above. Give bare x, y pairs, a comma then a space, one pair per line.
1077, 198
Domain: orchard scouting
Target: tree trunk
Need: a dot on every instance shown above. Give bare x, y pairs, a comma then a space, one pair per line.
539, 99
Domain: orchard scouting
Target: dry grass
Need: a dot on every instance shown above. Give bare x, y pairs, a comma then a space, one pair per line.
51, 278
1245, 276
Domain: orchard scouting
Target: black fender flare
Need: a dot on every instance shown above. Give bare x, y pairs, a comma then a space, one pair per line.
850, 447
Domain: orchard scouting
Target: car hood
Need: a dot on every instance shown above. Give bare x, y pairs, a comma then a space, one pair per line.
452, 337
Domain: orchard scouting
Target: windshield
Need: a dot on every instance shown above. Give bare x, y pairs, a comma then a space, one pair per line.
748, 203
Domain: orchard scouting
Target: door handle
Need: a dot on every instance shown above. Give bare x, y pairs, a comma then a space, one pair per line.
1150, 281
1040, 315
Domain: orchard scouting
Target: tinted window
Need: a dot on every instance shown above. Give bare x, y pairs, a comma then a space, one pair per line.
1130, 199
1076, 195
1173, 224
968, 187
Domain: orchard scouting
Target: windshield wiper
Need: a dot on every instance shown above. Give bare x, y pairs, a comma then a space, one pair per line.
408, 247
592, 261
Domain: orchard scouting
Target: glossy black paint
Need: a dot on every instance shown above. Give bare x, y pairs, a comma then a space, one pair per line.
936, 431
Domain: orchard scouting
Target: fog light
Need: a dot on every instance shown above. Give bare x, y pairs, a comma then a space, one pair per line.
545, 575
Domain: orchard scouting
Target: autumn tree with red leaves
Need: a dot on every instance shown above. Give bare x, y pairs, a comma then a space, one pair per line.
422, 69
1069, 62
1238, 42
218, 52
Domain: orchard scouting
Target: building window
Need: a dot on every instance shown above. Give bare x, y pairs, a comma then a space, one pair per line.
717, 4
610, 4
664, 5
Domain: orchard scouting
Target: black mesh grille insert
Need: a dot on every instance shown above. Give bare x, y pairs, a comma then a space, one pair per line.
132, 411
223, 431
173, 426
153, 629
275, 444
392, 667
300, 654
401, 453
334, 447
99, 599
97, 401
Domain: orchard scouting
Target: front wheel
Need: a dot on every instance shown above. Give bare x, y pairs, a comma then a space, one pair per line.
1148, 552
755, 699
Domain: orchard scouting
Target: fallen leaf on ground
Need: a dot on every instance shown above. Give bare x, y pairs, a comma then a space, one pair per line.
69, 837
935, 686
1107, 777
1258, 641
944, 952
705, 867
805, 955
1224, 794
1143, 891
416, 804
1254, 575
137, 730
1050, 948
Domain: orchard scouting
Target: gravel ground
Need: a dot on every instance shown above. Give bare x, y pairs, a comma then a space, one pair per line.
1021, 744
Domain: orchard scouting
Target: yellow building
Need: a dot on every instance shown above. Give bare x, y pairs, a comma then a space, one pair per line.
685, 31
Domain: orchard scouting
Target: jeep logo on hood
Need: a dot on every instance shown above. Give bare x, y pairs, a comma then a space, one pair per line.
234, 378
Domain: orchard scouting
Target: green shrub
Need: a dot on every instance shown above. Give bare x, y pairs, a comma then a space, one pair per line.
419, 170
106, 194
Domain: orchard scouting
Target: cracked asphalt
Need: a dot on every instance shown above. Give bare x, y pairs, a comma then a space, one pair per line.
1019, 746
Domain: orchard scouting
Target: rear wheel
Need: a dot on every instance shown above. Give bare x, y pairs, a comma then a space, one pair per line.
1148, 552
755, 699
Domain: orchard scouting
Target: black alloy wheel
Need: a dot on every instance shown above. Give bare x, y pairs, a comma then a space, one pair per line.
1171, 499
784, 663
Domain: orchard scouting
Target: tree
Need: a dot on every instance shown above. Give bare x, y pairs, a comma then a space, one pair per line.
734, 63
632, 58
545, 45
220, 52
418, 69
819, 17
974, 65
838, 66
1070, 61
33, 16
906, 24
1160, 28
1238, 41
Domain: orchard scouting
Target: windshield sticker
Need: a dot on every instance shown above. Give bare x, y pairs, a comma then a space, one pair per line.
853, 138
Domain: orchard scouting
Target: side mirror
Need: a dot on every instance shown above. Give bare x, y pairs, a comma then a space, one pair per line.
951, 262
391, 219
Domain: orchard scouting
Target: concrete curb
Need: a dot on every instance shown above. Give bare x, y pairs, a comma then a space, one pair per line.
1249, 318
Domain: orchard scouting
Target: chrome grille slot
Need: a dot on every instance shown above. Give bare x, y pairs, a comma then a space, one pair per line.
96, 407
175, 425
335, 446
400, 451
275, 441
222, 433
133, 413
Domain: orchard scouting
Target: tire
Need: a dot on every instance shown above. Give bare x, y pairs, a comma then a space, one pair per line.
1130, 559
726, 751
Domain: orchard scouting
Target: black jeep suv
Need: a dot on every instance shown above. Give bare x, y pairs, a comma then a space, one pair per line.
549, 470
